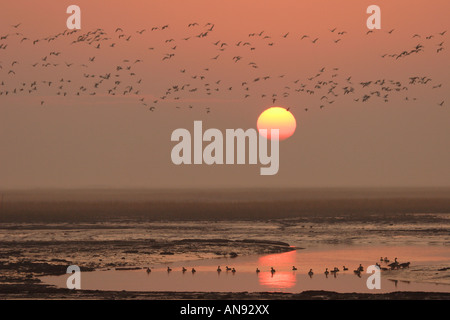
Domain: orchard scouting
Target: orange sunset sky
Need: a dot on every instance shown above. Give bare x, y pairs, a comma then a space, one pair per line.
106, 140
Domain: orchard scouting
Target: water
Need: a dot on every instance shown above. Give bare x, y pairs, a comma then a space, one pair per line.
328, 241
421, 276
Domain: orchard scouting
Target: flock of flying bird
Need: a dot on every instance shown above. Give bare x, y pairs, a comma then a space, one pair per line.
125, 78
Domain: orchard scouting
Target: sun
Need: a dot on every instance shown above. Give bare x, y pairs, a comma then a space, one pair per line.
277, 118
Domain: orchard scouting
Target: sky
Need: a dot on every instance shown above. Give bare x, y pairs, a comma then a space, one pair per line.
115, 141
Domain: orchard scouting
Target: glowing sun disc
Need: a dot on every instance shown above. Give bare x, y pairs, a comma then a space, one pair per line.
277, 118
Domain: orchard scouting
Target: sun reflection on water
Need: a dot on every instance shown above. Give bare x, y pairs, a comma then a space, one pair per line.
278, 279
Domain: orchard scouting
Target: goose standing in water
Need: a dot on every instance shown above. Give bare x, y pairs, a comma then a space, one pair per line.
149, 270
326, 272
272, 270
404, 265
193, 270
183, 270
344, 268
394, 264
310, 273
294, 268
168, 269
257, 270
218, 269
233, 270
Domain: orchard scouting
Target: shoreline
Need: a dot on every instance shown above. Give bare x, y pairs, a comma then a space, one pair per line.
39, 292
20, 274
29, 251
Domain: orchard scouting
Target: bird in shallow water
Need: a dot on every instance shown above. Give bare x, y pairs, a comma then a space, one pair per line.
404, 265
394, 265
